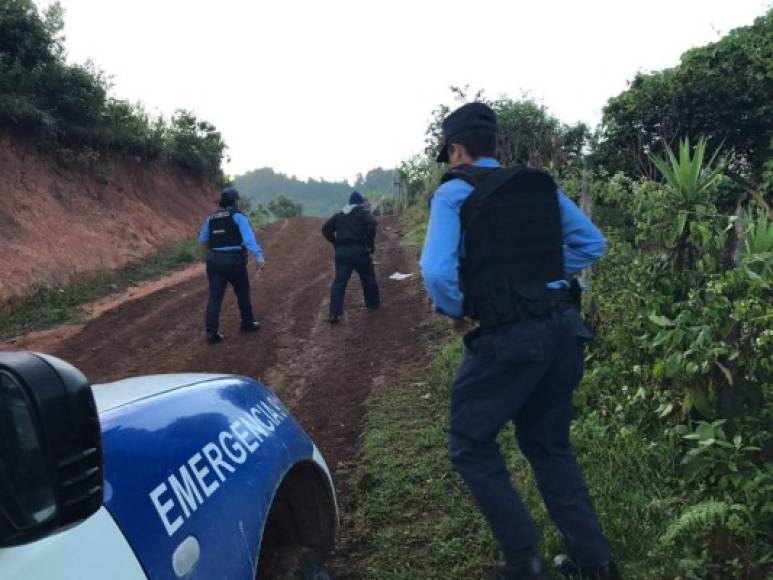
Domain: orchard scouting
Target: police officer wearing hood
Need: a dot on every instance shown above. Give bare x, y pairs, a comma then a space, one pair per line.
228, 236
352, 232
500, 246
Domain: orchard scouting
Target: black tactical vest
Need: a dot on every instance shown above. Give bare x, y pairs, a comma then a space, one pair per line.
513, 246
223, 231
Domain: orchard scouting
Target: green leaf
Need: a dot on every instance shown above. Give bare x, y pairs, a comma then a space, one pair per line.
661, 321
701, 403
726, 372
673, 364
681, 220
705, 431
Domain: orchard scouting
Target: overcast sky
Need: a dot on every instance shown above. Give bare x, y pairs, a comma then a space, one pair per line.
328, 88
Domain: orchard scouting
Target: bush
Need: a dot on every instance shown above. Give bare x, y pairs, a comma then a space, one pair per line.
284, 207
684, 356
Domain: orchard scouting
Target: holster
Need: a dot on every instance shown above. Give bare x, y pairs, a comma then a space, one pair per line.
503, 302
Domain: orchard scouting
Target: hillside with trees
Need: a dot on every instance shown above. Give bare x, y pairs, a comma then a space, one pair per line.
89, 182
318, 197
68, 111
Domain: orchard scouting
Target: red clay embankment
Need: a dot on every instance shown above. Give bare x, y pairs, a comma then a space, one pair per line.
59, 224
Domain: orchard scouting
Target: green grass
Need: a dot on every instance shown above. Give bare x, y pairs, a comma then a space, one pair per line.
48, 306
416, 520
419, 522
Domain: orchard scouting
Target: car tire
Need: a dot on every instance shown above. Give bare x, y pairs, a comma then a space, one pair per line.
296, 563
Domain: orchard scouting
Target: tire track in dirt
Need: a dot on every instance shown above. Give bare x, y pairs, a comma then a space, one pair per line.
323, 373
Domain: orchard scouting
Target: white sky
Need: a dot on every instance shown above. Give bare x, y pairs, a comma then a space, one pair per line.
328, 88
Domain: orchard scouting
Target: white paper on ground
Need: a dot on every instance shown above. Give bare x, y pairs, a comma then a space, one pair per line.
399, 276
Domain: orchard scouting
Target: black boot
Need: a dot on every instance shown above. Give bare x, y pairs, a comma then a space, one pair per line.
529, 569
571, 571
214, 338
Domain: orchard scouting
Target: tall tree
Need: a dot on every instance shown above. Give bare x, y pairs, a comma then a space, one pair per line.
721, 91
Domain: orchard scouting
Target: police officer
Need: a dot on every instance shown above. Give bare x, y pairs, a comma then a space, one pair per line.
500, 246
352, 232
227, 236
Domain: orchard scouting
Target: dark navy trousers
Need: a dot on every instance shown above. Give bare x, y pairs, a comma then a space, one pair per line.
348, 259
225, 268
526, 373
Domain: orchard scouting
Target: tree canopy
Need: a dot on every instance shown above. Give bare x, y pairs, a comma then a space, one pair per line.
721, 91
69, 108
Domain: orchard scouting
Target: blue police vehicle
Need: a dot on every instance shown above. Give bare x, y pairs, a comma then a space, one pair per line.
165, 476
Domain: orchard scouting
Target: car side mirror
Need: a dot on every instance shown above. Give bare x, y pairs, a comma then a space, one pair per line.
51, 468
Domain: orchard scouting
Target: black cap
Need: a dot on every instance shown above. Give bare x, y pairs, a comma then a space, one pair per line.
469, 117
228, 196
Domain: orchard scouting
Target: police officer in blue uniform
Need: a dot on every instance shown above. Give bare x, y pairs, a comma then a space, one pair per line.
228, 237
500, 246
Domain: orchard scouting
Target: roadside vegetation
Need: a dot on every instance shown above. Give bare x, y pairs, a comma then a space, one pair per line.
68, 110
283, 207
48, 306
673, 418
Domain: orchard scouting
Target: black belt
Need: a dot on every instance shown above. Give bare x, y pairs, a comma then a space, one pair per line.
351, 243
559, 294
557, 300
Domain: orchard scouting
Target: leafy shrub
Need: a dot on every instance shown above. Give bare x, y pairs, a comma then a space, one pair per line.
685, 354
284, 207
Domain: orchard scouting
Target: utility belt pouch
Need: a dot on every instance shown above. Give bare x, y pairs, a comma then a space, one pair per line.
533, 299
497, 306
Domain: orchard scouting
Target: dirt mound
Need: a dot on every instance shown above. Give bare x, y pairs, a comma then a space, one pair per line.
58, 224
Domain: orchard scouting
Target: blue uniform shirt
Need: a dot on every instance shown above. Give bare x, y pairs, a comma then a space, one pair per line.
583, 242
248, 236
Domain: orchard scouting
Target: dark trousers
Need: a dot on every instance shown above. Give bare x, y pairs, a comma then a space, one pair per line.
347, 260
225, 268
524, 372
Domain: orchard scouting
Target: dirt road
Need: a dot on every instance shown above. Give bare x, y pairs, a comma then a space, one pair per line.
323, 373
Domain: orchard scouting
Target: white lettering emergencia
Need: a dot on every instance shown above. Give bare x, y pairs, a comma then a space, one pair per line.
188, 487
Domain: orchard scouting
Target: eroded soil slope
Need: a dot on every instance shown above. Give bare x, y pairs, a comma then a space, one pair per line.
57, 224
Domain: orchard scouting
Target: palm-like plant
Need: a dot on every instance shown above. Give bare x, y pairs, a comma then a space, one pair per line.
689, 176
759, 236
689, 179
759, 246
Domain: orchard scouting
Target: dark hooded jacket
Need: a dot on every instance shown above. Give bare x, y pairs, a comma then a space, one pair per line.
354, 226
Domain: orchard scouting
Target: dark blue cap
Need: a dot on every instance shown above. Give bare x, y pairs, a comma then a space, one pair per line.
469, 117
228, 196
356, 198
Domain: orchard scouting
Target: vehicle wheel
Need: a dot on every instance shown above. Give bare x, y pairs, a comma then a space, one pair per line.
296, 563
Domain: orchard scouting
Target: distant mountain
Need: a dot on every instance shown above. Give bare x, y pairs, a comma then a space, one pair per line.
319, 198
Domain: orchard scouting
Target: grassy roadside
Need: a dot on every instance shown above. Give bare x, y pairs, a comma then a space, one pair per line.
48, 306
418, 522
